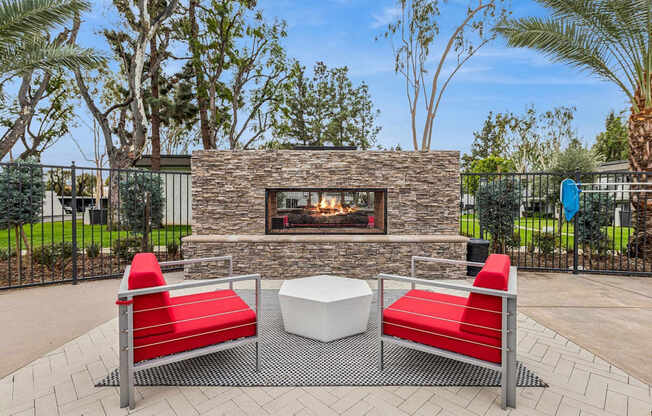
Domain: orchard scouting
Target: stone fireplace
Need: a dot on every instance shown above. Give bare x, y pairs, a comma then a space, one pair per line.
294, 213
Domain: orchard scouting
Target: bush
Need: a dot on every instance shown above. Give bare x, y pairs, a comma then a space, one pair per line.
133, 188
596, 211
497, 205
515, 242
6, 254
53, 255
126, 248
93, 250
22, 190
546, 243
173, 248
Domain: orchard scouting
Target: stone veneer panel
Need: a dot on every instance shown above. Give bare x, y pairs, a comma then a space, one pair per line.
280, 260
228, 192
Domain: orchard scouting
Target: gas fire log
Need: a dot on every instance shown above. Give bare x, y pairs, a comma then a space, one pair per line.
356, 218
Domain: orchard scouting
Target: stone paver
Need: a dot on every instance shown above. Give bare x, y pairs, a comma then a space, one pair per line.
580, 384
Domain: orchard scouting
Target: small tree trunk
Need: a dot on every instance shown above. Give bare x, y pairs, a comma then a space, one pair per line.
155, 117
202, 99
18, 251
27, 246
144, 247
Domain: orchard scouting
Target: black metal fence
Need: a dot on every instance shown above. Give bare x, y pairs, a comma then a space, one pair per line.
521, 215
69, 223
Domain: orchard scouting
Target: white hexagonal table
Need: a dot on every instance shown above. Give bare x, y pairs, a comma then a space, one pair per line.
325, 308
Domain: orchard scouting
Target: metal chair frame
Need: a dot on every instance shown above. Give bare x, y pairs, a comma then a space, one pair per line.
126, 319
507, 367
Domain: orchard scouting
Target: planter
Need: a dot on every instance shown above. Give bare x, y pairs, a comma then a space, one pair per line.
98, 216
476, 250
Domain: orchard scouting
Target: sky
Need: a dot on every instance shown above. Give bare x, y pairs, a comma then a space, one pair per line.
343, 32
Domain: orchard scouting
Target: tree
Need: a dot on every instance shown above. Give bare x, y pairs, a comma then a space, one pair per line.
610, 39
530, 140
239, 67
490, 164
326, 109
42, 113
498, 203
491, 141
612, 143
24, 45
576, 157
417, 29
142, 203
21, 187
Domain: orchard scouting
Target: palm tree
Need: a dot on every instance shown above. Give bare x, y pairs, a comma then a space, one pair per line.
613, 40
24, 45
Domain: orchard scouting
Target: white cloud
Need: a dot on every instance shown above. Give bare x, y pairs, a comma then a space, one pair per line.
388, 15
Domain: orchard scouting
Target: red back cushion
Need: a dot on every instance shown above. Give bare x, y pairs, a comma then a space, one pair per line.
149, 310
494, 275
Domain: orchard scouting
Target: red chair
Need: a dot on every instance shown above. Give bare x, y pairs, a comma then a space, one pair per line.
157, 329
479, 329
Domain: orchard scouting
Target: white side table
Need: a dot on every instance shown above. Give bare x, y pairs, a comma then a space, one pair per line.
325, 307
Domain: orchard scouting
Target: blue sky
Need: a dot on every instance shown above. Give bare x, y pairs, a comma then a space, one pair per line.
342, 32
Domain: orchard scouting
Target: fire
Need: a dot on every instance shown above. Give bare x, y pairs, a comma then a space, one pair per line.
332, 207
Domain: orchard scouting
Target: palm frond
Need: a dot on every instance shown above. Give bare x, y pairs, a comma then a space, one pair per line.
568, 42
48, 57
31, 17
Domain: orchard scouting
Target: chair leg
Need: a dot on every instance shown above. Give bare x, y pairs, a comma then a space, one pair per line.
257, 357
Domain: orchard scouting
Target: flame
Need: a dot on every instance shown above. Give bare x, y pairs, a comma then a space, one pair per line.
332, 207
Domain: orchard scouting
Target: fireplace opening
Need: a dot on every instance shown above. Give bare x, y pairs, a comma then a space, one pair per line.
326, 211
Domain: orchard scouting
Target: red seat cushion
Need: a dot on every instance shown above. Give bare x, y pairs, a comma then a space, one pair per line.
151, 312
200, 320
494, 275
434, 319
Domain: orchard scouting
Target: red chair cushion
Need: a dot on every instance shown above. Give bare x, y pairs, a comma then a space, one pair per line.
414, 317
200, 320
494, 275
151, 312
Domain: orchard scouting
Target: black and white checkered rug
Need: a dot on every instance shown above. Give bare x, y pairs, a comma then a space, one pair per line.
290, 360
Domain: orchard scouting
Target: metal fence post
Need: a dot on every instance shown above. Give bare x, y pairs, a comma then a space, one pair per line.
576, 256
73, 188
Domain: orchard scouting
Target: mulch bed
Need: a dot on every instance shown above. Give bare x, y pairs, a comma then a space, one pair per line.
103, 265
618, 263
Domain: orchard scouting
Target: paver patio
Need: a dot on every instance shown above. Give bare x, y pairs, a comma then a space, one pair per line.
581, 383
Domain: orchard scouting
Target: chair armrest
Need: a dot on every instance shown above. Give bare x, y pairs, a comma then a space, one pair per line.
186, 285
446, 285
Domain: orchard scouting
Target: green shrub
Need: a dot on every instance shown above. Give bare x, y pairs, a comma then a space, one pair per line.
497, 205
6, 254
53, 255
173, 248
545, 242
22, 190
596, 211
126, 248
515, 242
93, 250
133, 188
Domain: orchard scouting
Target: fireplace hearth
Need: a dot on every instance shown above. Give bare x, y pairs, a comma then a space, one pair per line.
326, 211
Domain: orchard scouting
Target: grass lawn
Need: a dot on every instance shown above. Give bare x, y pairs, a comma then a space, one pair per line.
58, 231
528, 227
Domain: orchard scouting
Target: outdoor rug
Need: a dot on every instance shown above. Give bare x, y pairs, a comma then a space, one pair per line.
290, 360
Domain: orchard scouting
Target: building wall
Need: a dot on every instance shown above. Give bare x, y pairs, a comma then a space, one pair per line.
228, 190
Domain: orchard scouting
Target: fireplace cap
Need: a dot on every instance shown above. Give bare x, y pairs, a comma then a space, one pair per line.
324, 147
